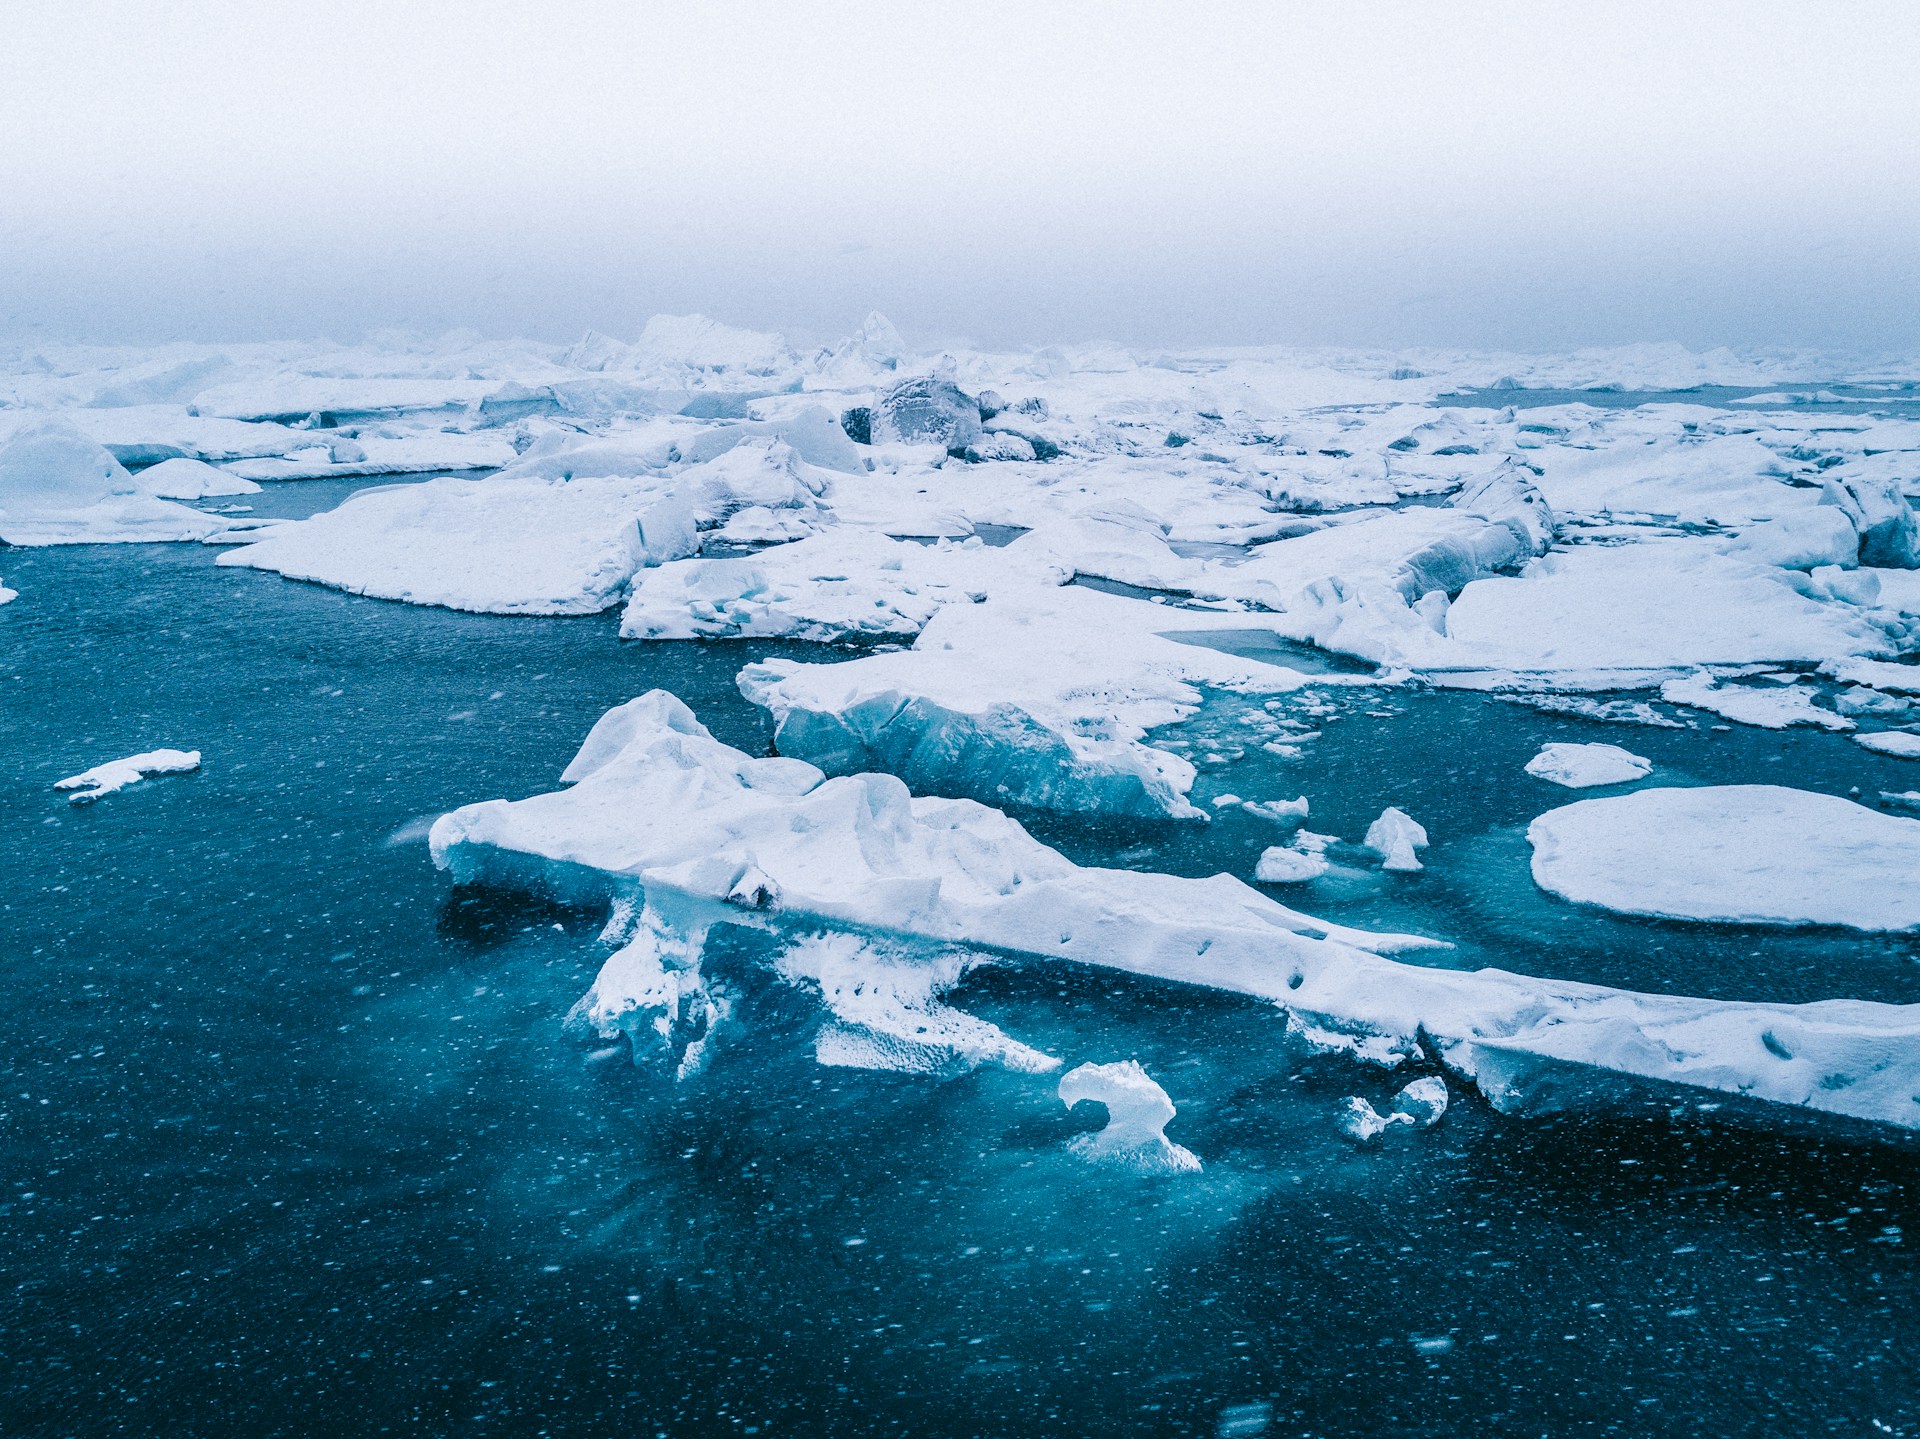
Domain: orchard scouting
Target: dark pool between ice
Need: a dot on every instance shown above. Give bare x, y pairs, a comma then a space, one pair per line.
294, 1141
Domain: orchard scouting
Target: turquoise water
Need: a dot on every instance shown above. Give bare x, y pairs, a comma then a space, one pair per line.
294, 1141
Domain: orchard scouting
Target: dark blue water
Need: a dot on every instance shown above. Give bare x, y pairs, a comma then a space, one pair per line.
293, 1142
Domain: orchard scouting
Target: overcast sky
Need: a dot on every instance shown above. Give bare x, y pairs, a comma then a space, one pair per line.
1529, 175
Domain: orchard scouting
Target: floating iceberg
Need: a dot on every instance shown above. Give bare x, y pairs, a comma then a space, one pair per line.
1740, 854
689, 832
1284, 864
57, 487
1394, 837
1582, 766
528, 541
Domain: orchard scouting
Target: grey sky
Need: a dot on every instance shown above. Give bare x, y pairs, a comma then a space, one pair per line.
1530, 175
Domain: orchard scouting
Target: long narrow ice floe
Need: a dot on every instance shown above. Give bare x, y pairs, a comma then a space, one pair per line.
104, 779
660, 814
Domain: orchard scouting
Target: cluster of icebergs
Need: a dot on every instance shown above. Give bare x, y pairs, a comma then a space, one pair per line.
1038, 560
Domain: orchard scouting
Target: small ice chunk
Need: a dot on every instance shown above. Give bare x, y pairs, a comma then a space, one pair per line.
1855, 587
1363, 1124
7, 594
1281, 811
1424, 1099
1281, 865
1581, 766
118, 774
1903, 743
1137, 1115
1394, 837
1857, 700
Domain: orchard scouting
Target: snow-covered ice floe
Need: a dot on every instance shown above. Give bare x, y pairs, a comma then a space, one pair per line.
1583, 766
1742, 854
1903, 743
682, 833
104, 779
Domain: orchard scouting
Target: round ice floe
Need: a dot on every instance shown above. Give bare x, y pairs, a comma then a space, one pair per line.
1137, 1114
1579, 766
1744, 854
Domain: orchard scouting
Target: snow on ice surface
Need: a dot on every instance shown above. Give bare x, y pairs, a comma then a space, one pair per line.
1741, 854
690, 833
104, 779
1138, 1110
1582, 766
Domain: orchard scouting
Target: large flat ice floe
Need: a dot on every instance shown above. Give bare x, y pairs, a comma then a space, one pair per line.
683, 833
1742, 854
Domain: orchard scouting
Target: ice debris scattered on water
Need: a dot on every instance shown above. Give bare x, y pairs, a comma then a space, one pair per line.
1773, 707
1582, 766
1420, 1105
104, 779
1138, 1110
